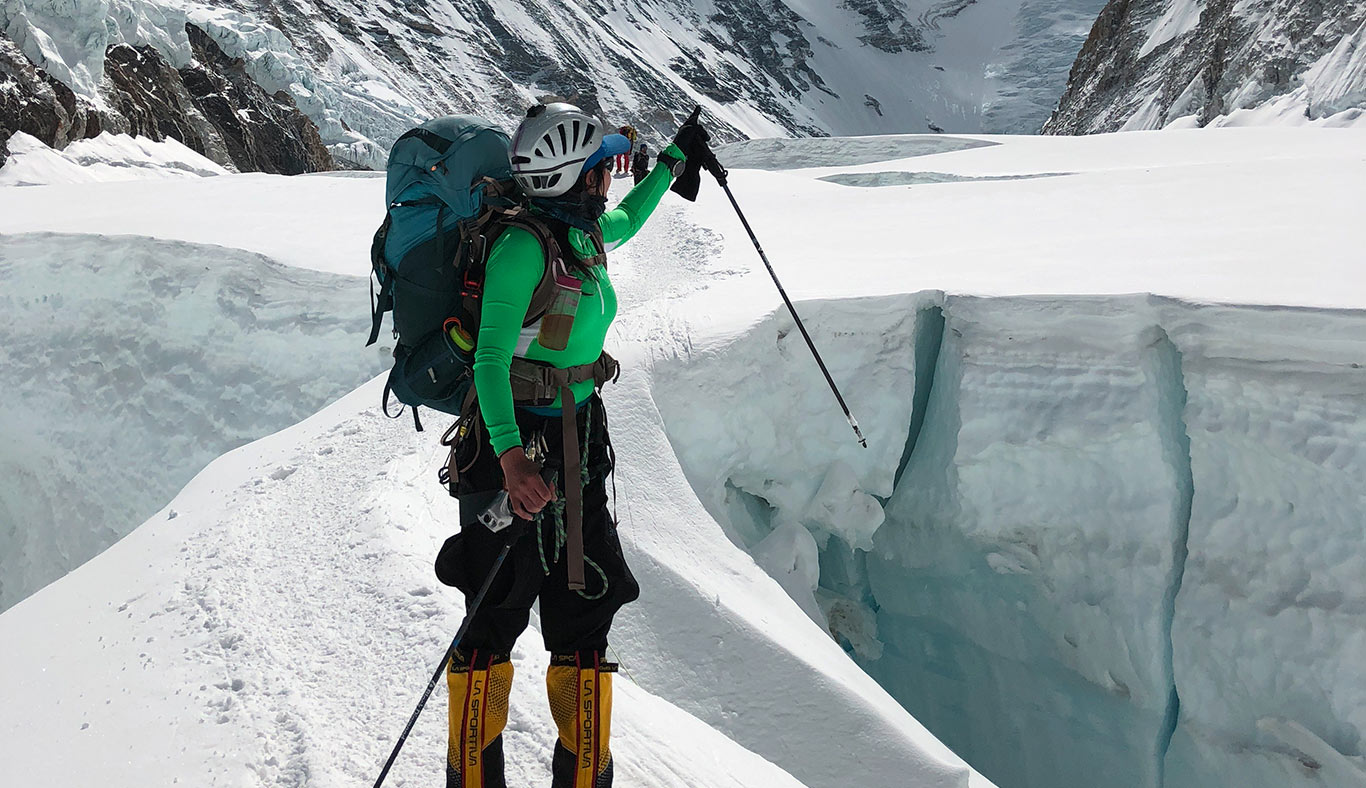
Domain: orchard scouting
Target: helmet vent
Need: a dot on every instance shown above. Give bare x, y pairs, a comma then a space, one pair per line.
589, 132
554, 179
549, 143
564, 139
577, 141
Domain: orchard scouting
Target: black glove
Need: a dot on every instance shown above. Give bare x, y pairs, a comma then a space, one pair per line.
692, 138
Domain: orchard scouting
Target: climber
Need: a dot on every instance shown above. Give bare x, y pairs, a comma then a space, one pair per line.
542, 438
640, 164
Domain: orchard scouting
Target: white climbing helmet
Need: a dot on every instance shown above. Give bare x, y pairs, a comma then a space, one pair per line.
551, 147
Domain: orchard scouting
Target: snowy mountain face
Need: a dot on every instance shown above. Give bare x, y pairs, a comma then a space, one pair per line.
34, 102
365, 73
1150, 64
188, 90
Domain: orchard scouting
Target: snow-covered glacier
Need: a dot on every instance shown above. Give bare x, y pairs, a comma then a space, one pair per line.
1105, 539
1106, 530
274, 622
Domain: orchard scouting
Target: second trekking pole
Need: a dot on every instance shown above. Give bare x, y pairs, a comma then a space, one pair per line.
721, 175
441, 667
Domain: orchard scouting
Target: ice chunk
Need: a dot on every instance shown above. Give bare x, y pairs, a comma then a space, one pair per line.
1268, 623
790, 556
840, 507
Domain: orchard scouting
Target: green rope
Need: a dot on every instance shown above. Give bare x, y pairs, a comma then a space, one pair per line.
559, 532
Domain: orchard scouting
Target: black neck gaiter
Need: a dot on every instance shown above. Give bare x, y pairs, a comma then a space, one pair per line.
579, 210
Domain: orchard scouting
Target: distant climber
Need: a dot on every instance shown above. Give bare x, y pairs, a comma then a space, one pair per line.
623, 162
640, 164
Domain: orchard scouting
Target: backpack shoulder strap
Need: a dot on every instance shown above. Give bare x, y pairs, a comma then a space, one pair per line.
600, 249
544, 294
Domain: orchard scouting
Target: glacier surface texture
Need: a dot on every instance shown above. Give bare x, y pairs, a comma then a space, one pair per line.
133, 362
1121, 545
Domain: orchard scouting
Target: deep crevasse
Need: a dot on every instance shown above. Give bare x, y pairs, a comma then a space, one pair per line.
1169, 379
1021, 596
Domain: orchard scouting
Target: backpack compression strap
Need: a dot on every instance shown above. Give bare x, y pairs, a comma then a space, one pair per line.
385, 300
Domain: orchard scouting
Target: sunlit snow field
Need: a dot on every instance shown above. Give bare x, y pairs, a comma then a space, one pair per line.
1106, 532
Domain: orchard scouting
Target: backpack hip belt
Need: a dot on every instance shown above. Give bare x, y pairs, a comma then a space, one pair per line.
534, 383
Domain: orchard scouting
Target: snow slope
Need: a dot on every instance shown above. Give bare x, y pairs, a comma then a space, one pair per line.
1069, 547
274, 626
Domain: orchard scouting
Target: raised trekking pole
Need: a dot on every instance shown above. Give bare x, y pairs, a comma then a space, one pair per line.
441, 667
718, 172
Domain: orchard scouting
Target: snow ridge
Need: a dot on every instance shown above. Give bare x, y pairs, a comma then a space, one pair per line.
108, 157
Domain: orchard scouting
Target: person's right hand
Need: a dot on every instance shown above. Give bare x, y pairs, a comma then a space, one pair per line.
527, 491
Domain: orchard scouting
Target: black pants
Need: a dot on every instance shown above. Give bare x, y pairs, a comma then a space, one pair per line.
571, 621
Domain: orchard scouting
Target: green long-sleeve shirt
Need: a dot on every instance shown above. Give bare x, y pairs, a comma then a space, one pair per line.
515, 266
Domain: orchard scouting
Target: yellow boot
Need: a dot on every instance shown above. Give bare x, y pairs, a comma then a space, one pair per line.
580, 690
479, 687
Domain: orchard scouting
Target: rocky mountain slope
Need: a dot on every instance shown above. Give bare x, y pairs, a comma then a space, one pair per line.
362, 73
1155, 63
209, 103
33, 101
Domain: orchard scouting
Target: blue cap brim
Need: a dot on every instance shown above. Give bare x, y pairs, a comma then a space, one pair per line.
612, 145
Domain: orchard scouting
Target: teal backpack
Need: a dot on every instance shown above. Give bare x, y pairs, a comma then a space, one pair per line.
450, 192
